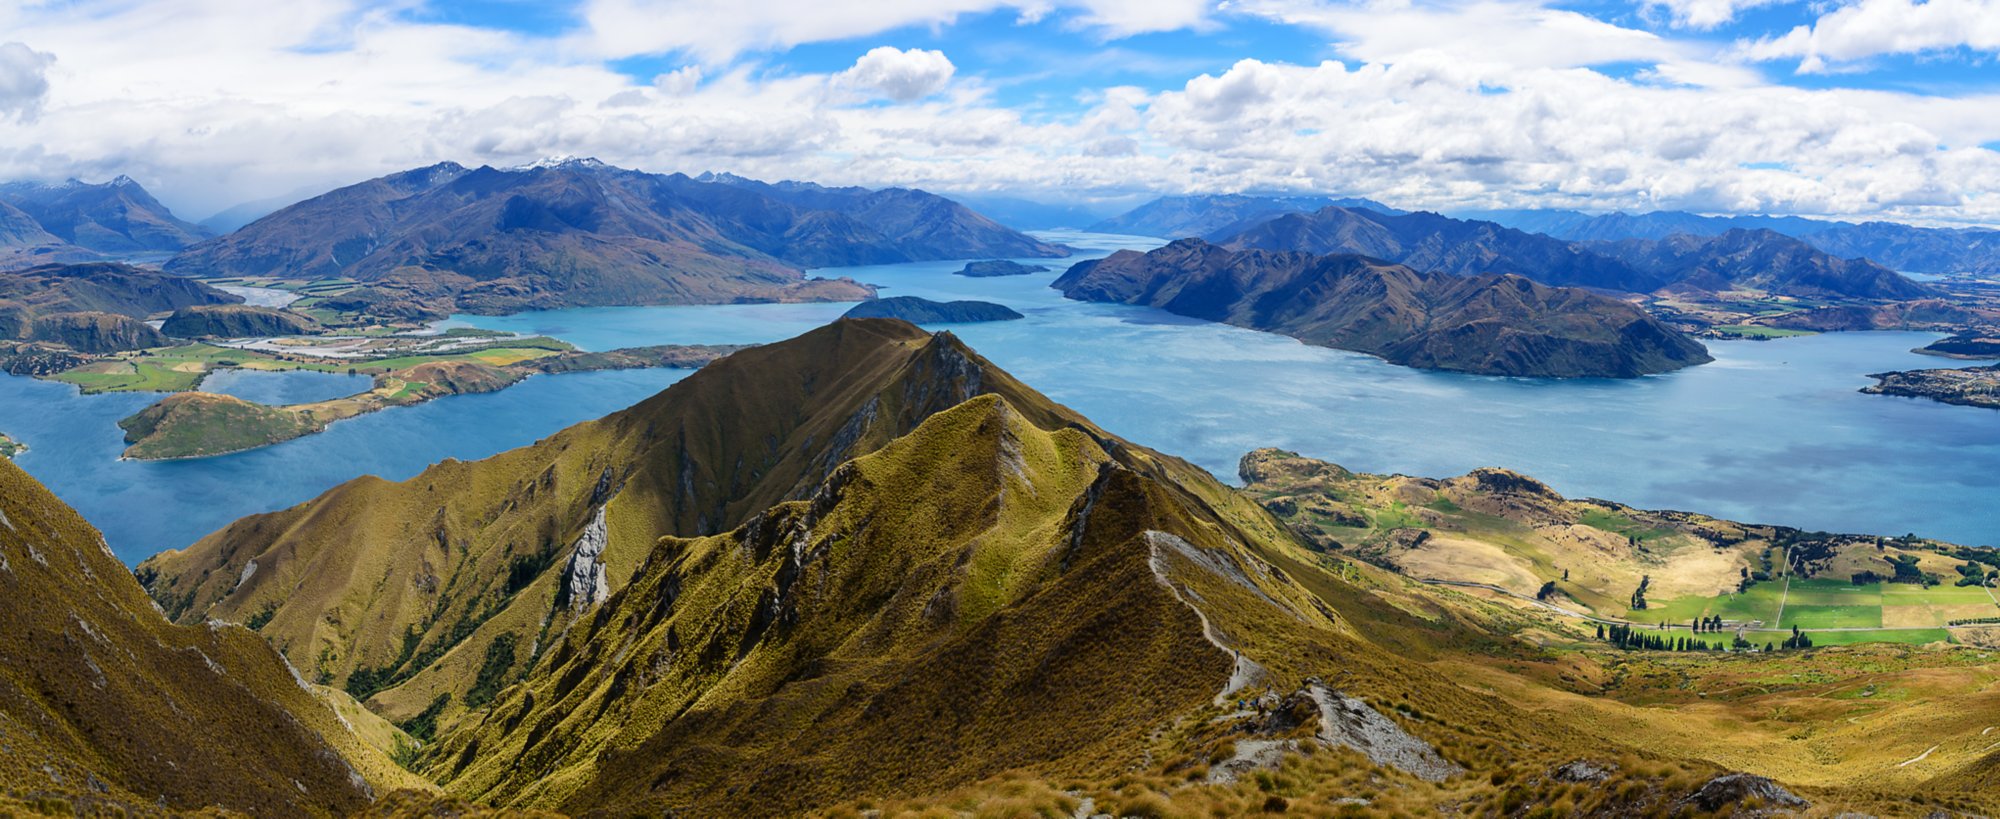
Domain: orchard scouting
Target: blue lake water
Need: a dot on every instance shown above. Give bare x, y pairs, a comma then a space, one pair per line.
1771, 432
286, 387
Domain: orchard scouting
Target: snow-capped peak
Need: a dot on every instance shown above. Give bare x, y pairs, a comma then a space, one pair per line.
563, 161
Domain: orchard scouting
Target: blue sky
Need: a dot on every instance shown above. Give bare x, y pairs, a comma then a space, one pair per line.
1843, 108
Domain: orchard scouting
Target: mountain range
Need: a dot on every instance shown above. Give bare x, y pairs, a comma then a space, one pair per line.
1739, 259
1486, 324
78, 222
1176, 217
1900, 247
578, 232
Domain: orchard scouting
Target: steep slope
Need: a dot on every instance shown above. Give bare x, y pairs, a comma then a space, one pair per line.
118, 216
1176, 217
105, 707
404, 586
1430, 242
1494, 325
1761, 260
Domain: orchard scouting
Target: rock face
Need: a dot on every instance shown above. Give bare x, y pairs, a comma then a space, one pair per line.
586, 585
1731, 789
236, 321
998, 267
580, 233
924, 311
110, 709
1492, 325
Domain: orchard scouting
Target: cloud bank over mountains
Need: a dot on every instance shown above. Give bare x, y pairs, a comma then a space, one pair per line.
1422, 103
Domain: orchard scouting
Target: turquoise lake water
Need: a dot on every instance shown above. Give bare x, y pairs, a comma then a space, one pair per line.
1771, 432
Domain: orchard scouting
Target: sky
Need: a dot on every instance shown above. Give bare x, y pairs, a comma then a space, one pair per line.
1844, 108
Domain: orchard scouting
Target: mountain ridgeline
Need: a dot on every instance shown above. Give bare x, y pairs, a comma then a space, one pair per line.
1760, 260
77, 221
1178, 217
1492, 325
581, 233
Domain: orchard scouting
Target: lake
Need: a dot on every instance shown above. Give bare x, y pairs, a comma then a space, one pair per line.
1772, 432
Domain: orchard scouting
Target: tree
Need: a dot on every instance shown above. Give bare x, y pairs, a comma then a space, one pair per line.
1548, 591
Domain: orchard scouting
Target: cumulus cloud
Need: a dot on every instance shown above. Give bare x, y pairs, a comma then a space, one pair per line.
901, 75
1515, 32
216, 102
1868, 28
1706, 14
719, 30
24, 80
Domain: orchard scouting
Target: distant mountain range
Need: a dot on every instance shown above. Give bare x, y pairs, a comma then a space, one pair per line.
579, 232
1179, 217
77, 221
1427, 241
1759, 260
1899, 247
1739, 259
1492, 325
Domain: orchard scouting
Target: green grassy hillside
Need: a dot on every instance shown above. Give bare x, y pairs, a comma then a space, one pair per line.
107, 708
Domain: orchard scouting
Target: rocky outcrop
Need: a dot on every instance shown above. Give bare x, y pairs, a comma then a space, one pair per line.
585, 584
924, 311
1734, 789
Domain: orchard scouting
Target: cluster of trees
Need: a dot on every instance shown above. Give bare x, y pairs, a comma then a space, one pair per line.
1973, 574
1628, 637
1797, 640
1624, 636
1639, 597
1906, 571
1548, 591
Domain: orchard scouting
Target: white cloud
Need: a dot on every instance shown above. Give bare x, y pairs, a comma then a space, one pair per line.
1707, 14
215, 102
717, 31
1867, 28
23, 80
1514, 32
901, 75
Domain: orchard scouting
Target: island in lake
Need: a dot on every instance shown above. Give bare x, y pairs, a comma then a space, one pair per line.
924, 311
994, 268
